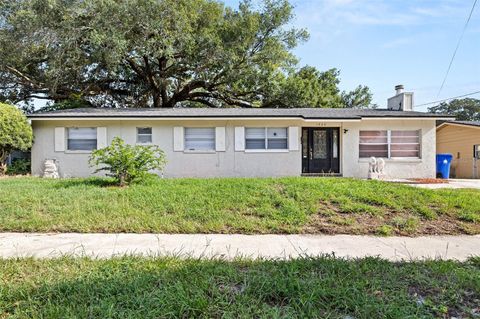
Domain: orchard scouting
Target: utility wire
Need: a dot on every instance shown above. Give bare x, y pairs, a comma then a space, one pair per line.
456, 48
447, 99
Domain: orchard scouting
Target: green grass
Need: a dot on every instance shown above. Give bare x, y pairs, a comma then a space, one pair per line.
325, 287
243, 205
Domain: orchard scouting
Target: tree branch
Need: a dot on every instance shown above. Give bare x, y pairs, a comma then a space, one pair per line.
23, 76
202, 101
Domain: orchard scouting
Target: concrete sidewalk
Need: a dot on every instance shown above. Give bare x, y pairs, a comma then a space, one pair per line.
229, 246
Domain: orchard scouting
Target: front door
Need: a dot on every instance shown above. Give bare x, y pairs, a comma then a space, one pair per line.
320, 150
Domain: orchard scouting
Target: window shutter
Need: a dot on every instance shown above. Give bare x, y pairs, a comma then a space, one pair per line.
239, 138
178, 139
293, 138
101, 137
59, 139
220, 139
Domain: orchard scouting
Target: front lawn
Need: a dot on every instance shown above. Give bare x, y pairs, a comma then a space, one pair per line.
131, 287
243, 205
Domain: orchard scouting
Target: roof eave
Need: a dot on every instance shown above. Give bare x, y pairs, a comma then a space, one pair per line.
277, 118
457, 124
98, 117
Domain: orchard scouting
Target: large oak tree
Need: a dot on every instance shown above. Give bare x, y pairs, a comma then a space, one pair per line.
158, 53
463, 109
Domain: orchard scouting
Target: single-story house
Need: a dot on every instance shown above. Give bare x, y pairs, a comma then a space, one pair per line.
209, 142
462, 140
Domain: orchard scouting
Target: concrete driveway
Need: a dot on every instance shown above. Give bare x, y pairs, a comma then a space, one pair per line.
452, 183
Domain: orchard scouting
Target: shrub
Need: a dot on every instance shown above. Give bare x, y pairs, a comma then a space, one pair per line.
128, 163
15, 133
20, 166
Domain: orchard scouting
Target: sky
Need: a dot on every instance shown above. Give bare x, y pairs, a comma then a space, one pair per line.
382, 43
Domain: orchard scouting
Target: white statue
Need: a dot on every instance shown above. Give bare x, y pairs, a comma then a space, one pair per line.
372, 165
51, 169
375, 168
380, 165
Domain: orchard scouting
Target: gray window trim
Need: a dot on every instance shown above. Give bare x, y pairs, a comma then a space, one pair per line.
68, 139
267, 138
213, 139
142, 134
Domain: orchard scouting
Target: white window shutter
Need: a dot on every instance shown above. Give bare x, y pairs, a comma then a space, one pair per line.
59, 139
101, 137
178, 139
220, 139
239, 138
294, 138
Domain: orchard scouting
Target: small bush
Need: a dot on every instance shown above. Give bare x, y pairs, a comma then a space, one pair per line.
15, 133
19, 167
128, 163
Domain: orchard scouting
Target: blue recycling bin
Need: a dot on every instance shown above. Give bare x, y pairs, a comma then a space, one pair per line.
443, 165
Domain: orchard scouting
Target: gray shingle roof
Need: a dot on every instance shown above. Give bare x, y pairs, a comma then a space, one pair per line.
306, 113
471, 123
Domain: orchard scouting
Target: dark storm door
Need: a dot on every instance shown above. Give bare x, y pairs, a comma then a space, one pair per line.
320, 150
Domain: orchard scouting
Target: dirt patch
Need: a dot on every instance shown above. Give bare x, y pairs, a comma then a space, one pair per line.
327, 224
428, 181
466, 305
331, 221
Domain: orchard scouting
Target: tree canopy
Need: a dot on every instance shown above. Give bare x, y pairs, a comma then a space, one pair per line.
463, 109
15, 133
160, 53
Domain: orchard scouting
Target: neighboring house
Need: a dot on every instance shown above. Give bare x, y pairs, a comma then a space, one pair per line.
209, 142
459, 139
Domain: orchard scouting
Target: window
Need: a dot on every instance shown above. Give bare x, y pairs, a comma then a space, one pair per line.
266, 138
199, 138
405, 144
373, 143
390, 144
335, 143
82, 138
144, 135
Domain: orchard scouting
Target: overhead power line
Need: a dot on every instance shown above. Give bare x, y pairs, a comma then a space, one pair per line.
448, 99
456, 48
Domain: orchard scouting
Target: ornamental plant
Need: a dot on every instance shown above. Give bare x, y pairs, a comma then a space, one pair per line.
15, 133
128, 163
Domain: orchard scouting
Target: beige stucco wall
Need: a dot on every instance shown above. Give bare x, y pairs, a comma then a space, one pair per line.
180, 164
231, 162
395, 168
458, 141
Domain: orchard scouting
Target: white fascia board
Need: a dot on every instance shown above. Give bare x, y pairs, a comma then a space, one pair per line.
408, 118
189, 119
331, 120
233, 119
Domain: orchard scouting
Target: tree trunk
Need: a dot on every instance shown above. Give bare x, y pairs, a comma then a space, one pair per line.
157, 98
121, 178
3, 161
